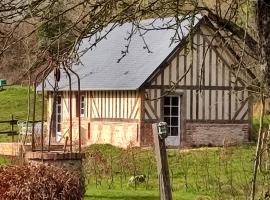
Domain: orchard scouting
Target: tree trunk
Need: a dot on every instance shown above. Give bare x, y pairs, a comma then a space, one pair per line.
263, 22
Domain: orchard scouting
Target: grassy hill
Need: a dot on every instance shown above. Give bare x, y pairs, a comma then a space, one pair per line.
14, 101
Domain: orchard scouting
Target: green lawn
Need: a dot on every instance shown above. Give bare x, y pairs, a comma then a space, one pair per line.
14, 101
4, 161
103, 194
256, 124
216, 173
200, 174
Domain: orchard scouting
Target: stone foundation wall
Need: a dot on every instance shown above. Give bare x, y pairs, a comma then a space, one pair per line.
124, 133
75, 130
201, 134
118, 133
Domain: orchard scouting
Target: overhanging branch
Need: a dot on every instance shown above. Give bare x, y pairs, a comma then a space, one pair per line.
234, 29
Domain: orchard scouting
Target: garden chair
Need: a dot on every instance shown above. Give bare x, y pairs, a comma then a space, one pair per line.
25, 131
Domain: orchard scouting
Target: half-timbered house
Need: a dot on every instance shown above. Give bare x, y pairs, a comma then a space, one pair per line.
190, 79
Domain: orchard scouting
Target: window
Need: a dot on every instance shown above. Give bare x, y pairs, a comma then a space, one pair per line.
82, 106
58, 113
171, 114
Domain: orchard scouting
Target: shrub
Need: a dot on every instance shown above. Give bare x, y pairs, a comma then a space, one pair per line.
39, 183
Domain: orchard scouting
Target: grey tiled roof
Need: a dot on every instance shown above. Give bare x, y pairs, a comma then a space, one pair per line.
99, 68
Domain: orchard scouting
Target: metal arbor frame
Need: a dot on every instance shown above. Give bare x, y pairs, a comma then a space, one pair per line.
56, 68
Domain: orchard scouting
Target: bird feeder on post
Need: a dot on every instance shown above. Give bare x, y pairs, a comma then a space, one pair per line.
160, 133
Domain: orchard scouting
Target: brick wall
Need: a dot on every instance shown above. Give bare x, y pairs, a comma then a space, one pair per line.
201, 134
68, 161
146, 134
198, 134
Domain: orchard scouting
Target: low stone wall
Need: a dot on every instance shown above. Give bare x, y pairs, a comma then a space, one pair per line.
68, 161
16, 149
10, 149
201, 134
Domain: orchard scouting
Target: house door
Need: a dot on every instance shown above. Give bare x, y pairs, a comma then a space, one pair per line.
58, 118
172, 117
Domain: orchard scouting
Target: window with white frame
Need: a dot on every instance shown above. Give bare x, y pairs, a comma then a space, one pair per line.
82, 106
172, 114
59, 113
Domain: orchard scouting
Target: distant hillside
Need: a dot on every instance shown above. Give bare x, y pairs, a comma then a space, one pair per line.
16, 61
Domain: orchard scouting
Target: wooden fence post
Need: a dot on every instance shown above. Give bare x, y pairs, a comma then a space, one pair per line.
162, 166
12, 127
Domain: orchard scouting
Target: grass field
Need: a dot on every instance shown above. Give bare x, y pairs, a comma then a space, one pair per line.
256, 124
103, 194
206, 173
197, 174
14, 101
4, 161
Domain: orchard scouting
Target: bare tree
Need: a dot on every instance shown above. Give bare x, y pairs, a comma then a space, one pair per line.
60, 25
